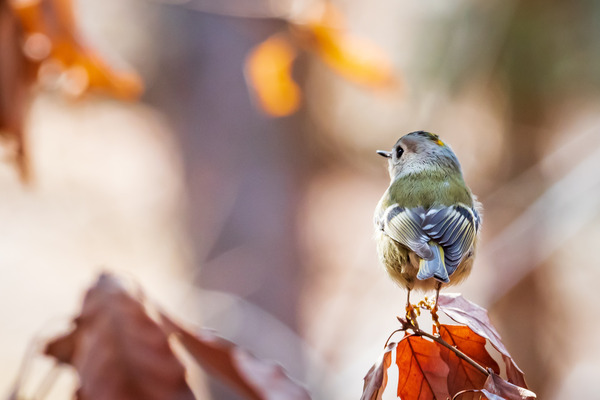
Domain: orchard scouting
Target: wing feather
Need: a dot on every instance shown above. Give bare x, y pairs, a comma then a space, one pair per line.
405, 226
454, 228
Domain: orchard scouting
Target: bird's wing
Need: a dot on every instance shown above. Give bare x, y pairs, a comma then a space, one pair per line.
404, 225
454, 228
434, 268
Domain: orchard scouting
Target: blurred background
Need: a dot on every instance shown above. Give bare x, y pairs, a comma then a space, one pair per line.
238, 191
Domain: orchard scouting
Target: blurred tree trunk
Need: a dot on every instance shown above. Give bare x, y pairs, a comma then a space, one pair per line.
244, 171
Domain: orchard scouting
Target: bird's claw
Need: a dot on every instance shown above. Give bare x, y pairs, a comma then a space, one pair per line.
411, 315
436, 319
431, 305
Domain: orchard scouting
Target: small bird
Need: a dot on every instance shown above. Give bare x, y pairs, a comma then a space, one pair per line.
428, 220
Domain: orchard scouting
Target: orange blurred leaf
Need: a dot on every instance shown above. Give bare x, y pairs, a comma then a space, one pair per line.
356, 59
475, 317
119, 352
254, 378
376, 379
422, 372
39, 38
463, 375
51, 38
268, 70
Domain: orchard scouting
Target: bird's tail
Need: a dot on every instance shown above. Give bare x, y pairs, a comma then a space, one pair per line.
434, 268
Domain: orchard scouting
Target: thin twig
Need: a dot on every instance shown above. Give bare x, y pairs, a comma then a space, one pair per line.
44, 387
438, 339
457, 395
459, 353
392, 334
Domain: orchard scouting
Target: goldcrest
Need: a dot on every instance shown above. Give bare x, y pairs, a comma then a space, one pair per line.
427, 221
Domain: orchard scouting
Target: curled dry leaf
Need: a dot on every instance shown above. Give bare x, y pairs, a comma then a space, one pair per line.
268, 379
422, 372
376, 379
268, 71
118, 351
498, 386
475, 317
252, 377
463, 375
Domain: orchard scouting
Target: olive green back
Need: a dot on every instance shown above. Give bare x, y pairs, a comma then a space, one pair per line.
428, 188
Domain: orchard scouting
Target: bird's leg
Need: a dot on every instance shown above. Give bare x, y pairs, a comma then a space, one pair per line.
411, 315
434, 315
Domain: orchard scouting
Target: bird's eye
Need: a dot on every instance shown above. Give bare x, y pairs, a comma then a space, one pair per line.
399, 152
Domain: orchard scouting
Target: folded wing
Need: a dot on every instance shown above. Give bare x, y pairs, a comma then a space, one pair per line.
441, 236
454, 228
404, 225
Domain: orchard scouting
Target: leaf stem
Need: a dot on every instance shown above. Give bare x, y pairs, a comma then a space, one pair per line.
392, 334
47, 383
458, 394
438, 339
460, 354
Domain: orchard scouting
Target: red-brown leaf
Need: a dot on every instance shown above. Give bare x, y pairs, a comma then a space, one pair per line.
475, 317
63, 347
422, 372
463, 375
254, 378
118, 351
498, 386
376, 379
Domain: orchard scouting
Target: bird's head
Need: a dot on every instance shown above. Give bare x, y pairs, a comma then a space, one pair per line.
420, 151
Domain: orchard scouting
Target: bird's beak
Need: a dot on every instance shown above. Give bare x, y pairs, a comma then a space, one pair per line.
386, 154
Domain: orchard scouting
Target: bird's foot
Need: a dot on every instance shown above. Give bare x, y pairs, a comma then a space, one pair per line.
411, 315
425, 304
436, 320
431, 305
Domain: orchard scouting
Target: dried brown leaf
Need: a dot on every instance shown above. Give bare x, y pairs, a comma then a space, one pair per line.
376, 379
423, 373
118, 351
254, 378
63, 348
475, 317
463, 375
498, 386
